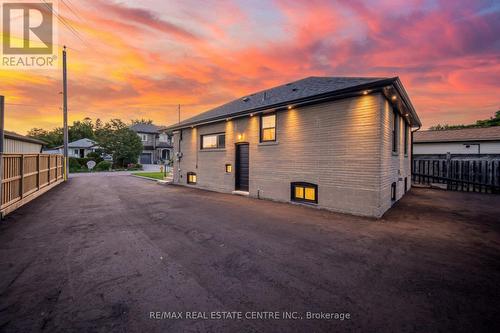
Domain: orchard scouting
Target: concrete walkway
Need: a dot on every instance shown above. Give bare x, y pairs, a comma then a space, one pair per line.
151, 167
99, 254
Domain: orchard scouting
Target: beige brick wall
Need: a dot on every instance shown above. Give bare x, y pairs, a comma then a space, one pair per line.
395, 166
340, 146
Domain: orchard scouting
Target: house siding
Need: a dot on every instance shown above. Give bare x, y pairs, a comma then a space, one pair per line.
22, 147
336, 145
442, 148
395, 167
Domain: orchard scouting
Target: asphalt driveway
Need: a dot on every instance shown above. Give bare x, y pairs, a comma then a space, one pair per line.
100, 253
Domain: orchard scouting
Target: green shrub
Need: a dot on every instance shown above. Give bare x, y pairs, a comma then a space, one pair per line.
134, 166
103, 166
83, 161
74, 163
95, 156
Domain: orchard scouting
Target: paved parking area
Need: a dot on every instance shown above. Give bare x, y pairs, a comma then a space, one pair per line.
100, 253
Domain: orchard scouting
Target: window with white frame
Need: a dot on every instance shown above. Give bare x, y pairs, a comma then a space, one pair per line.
268, 127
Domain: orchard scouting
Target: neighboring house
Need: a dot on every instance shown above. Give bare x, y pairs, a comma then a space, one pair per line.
467, 141
157, 145
79, 148
16, 143
338, 143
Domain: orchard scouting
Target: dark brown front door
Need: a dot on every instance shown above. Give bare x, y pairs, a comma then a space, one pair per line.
242, 167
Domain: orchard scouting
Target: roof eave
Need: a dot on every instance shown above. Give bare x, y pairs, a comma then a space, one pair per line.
405, 100
458, 140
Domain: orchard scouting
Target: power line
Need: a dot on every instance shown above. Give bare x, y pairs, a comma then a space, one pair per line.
68, 5
22, 104
65, 23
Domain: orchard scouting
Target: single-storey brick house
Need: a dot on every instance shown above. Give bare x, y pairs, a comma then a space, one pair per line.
339, 143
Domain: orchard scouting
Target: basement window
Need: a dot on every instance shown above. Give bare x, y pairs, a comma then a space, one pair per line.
229, 168
213, 141
191, 178
304, 192
268, 127
393, 191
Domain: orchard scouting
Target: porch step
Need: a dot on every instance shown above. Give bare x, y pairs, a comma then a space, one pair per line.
165, 181
242, 193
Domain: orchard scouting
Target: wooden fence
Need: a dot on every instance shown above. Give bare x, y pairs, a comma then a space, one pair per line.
26, 176
470, 175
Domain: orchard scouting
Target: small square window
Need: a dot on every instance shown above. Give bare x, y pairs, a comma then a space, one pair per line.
299, 192
304, 192
310, 194
229, 168
191, 178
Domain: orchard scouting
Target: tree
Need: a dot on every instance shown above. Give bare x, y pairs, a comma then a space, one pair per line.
81, 130
53, 138
142, 121
493, 121
116, 138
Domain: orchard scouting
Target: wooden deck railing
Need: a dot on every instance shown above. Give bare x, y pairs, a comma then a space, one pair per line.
26, 176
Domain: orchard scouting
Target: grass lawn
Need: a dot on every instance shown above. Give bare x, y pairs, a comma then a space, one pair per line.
153, 175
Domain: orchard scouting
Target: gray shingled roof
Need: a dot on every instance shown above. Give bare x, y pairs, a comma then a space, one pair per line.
82, 143
305, 88
145, 128
466, 134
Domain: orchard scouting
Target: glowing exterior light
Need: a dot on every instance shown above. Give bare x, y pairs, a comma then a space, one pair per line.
289, 107
240, 136
394, 97
251, 114
365, 92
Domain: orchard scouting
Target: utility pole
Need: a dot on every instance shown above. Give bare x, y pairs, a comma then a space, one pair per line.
2, 111
65, 115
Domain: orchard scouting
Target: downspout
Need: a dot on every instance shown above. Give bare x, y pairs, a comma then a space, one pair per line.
411, 149
179, 158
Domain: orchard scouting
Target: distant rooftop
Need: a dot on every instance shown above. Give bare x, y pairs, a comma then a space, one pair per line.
82, 143
146, 128
15, 136
465, 134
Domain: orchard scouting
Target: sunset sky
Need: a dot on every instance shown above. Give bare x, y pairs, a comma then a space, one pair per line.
139, 59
